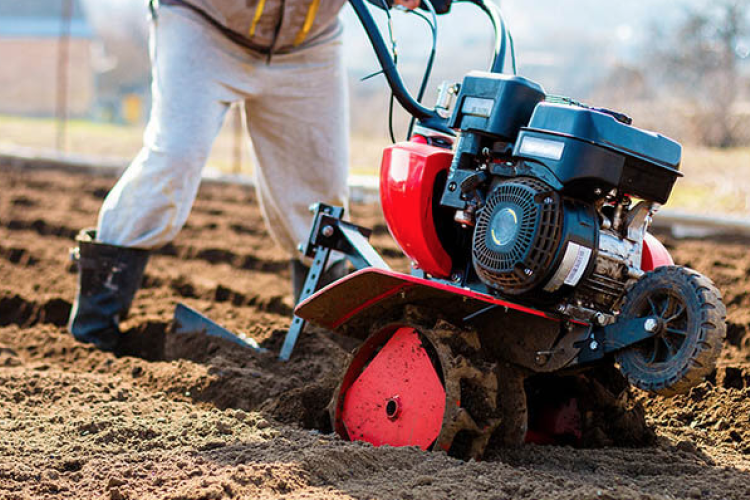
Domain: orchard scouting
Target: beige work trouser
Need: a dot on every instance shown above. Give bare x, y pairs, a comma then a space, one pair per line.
297, 115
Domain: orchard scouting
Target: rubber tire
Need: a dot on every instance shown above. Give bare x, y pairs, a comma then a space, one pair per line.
706, 331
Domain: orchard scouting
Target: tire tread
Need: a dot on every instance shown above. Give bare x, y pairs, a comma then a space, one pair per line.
708, 345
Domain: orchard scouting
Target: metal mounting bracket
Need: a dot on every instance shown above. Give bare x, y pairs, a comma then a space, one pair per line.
330, 233
611, 338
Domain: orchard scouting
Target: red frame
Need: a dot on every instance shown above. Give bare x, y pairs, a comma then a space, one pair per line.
357, 300
357, 296
407, 179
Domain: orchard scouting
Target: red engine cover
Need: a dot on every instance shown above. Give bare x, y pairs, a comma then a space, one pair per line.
407, 180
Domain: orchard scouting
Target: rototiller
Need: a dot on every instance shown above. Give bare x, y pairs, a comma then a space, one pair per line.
525, 217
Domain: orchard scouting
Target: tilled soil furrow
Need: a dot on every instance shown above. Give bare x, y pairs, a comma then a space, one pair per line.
18, 310
247, 262
195, 417
40, 227
186, 288
20, 256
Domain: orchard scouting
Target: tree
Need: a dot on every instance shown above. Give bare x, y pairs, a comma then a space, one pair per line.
701, 59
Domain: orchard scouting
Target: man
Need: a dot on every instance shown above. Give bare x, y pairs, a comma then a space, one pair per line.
283, 60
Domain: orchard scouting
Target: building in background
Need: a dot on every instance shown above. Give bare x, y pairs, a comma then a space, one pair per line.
29, 38
121, 59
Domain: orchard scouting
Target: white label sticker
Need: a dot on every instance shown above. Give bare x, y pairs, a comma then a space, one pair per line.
478, 106
583, 254
543, 148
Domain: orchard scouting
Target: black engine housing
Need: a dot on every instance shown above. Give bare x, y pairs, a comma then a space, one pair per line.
591, 151
528, 237
542, 190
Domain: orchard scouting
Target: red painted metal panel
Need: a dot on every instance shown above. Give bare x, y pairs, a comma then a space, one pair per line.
654, 254
398, 400
407, 179
359, 292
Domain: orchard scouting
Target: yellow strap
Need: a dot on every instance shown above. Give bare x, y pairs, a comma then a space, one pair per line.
256, 17
311, 13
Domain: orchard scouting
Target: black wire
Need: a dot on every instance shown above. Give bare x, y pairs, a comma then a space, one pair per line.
508, 33
430, 61
432, 23
428, 70
390, 119
494, 12
390, 108
503, 36
387, 10
512, 52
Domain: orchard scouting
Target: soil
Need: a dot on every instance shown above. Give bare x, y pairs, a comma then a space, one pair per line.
197, 418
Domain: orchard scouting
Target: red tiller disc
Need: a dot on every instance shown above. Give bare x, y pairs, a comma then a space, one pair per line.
398, 400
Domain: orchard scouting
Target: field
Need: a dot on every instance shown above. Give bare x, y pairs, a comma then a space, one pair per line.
232, 153
193, 418
710, 185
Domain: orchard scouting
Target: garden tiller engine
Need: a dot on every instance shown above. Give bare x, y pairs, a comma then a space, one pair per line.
525, 217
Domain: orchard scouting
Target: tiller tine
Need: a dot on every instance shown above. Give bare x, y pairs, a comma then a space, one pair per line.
188, 320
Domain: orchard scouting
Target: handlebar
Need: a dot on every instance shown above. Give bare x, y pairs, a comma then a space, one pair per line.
389, 67
502, 35
428, 117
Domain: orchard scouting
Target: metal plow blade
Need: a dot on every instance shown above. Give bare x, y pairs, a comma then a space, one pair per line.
188, 320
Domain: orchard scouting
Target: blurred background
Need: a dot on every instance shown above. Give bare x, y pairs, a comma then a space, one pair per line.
74, 78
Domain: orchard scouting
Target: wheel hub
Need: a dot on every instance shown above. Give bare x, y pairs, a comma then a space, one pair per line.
667, 310
393, 407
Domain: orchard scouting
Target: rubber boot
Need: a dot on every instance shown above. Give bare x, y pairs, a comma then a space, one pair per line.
334, 272
108, 278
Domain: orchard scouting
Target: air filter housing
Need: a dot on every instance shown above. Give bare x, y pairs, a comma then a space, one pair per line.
517, 235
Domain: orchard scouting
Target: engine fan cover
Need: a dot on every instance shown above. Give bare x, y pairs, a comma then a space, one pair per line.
517, 235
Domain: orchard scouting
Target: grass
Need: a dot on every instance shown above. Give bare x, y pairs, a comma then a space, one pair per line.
124, 141
82, 136
716, 180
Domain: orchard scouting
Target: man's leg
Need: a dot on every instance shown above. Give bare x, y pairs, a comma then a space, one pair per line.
152, 200
299, 126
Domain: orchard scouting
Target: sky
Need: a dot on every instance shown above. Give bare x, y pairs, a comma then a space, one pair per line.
574, 36
549, 34
530, 20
